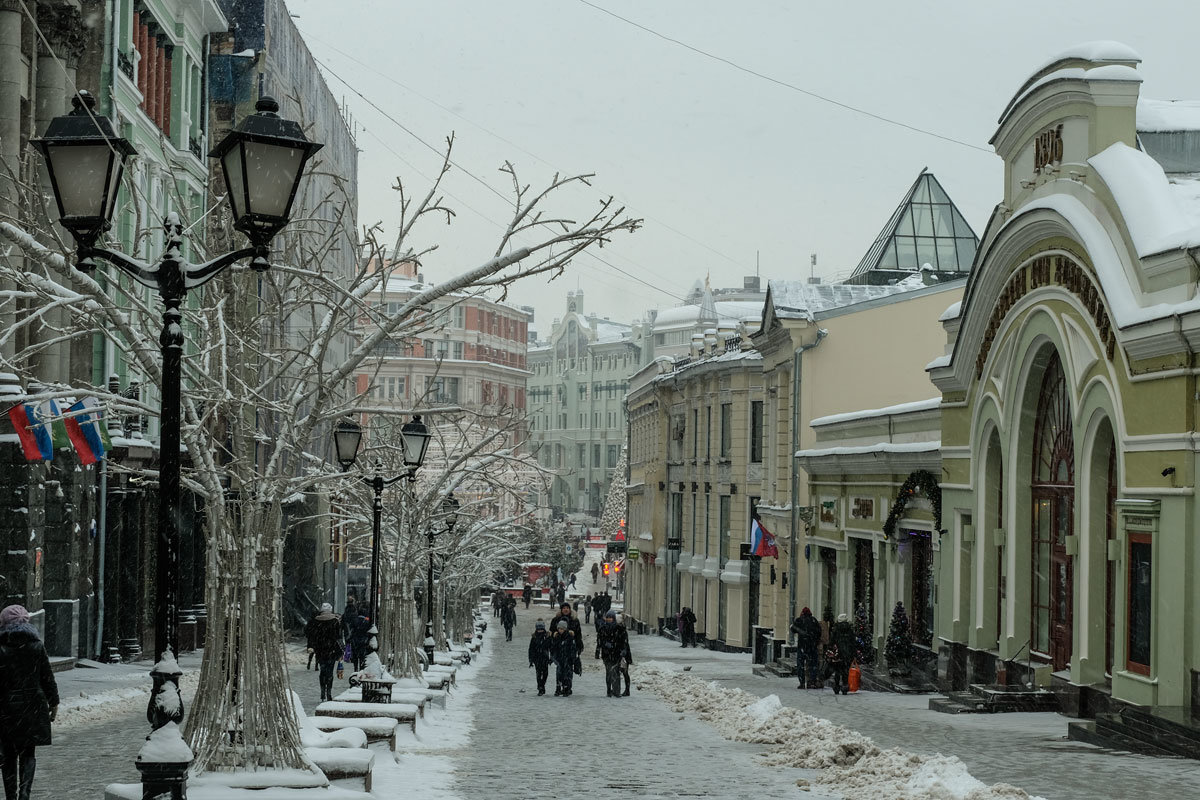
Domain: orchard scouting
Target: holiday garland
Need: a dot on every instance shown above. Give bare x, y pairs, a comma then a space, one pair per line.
920, 481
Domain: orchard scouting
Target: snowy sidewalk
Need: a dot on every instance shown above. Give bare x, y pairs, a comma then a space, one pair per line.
1026, 750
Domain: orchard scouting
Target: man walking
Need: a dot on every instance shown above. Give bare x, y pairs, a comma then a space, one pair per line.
324, 633
595, 572
508, 617
527, 594
808, 640
539, 654
687, 627
843, 644
612, 647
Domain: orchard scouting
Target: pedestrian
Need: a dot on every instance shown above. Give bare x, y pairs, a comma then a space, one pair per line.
565, 615
624, 663
605, 601
841, 653
348, 614
360, 637
562, 593
595, 572
587, 609
612, 647
324, 632
508, 618
598, 608
309, 645
497, 602
564, 648
687, 627
527, 594
572, 580
808, 641
28, 700
539, 654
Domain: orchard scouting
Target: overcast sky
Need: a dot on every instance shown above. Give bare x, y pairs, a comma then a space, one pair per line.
724, 166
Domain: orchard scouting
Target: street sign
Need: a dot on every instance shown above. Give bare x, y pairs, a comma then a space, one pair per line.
633, 553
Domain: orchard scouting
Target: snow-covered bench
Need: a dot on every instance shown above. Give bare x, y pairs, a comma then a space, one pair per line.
417, 695
312, 736
196, 791
402, 712
375, 729
343, 762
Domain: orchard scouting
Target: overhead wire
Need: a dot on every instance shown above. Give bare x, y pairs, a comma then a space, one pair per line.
785, 84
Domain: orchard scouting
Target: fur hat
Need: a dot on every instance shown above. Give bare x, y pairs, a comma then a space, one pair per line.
12, 614
326, 608
564, 604
610, 614
842, 618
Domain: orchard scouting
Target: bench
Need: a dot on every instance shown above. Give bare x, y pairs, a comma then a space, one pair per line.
376, 728
375, 690
342, 762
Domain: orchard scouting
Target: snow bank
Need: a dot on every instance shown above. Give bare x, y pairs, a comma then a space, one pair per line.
850, 763
165, 746
114, 700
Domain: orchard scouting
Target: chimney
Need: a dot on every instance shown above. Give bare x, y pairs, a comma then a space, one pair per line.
697, 345
710, 341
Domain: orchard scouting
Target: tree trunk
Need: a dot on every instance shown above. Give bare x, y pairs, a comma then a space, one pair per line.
243, 714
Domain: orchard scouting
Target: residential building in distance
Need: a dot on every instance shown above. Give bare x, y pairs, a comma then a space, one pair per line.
674, 331
577, 383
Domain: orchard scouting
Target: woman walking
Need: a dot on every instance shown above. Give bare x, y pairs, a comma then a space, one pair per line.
28, 700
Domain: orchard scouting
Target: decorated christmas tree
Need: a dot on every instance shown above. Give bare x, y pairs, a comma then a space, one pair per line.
864, 636
615, 504
899, 641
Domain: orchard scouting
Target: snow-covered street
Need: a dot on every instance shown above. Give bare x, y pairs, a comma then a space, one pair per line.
497, 739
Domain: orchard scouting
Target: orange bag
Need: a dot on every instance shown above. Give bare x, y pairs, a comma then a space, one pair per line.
855, 677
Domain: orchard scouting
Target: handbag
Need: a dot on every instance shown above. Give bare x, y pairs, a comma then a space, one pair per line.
340, 674
347, 654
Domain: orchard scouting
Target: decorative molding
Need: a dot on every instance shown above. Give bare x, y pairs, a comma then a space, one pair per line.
62, 24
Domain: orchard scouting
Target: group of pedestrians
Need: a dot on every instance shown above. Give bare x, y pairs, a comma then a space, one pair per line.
839, 652
562, 645
597, 605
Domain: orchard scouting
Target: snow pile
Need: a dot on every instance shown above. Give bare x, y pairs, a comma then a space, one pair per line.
851, 763
165, 746
100, 706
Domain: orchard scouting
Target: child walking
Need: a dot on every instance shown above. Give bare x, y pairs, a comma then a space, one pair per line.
539, 654
564, 652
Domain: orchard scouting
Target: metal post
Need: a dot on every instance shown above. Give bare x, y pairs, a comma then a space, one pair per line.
377, 484
429, 640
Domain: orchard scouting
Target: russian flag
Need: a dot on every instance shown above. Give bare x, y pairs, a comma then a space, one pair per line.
762, 543
33, 432
84, 431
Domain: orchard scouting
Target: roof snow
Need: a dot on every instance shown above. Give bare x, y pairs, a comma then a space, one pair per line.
1098, 51
1167, 116
728, 311
901, 408
1160, 215
953, 311
801, 300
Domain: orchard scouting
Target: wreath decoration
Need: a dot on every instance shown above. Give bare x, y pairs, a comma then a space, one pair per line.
921, 481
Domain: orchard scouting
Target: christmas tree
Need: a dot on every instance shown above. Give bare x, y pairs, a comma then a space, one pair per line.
864, 636
899, 641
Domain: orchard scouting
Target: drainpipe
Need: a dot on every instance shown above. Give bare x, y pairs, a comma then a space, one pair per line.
793, 551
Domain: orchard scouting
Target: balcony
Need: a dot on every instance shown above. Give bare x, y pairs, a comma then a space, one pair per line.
125, 64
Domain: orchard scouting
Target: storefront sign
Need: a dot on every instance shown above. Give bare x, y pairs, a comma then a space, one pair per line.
633, 554
674, 543
1048, 271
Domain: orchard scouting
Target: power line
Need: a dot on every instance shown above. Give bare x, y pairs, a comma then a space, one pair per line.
501, 138
785, 84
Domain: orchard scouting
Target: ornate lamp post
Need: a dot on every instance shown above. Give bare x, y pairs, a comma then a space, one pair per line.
449, 508
263, 159
414, 442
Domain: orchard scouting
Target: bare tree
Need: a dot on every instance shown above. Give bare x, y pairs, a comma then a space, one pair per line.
261, 392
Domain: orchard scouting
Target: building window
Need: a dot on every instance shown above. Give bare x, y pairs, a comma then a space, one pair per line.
442, 390
707, 432
695, 432
401, 387
726, 429
1141, 599
458, 350
596, 456
756, 431
460, 317
612, 456
581, 460
391, 388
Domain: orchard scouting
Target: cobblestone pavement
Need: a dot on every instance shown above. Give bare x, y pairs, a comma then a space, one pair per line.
1026, 750
589, 745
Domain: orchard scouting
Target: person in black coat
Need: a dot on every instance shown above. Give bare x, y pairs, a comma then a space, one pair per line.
564, 650
28, 700
539, 654
508, 617
843, 645
687, 627
324, 633
808, 642
564, 613
360, 636
612, 647
527, 594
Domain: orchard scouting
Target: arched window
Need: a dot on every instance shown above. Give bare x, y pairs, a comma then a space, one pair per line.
1053, 498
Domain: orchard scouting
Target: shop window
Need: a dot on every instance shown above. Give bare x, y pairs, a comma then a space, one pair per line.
1140, 603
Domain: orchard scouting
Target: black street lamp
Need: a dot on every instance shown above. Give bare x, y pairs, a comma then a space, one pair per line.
414, 441
449, 509
85, 159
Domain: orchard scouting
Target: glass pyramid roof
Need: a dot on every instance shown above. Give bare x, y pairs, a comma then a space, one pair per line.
926, 228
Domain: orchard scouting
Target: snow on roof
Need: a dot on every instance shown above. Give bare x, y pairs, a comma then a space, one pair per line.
801, 300
938, 363
1099, 50
732, 311
1166, 116
880, 447
1160, 215
953, 311
1108, 72
900, 408
608, 331
1100, 248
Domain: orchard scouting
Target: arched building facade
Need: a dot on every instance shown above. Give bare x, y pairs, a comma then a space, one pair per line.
1069, 555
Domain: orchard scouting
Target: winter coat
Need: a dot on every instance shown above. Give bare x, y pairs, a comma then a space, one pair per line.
508, 615
324, 633
612, 643
27, 687
687, 620
573, 626
539, 648
359, 627
807, 630
527, 593
842, 637
564, 647
598, 604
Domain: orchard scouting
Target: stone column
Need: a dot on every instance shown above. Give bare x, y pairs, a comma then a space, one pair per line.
11, 74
